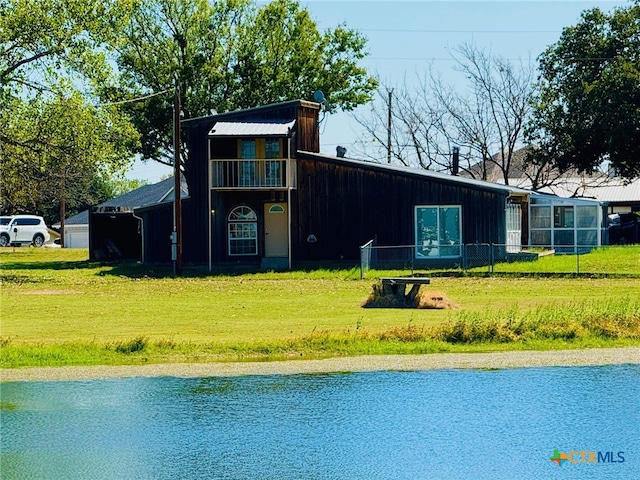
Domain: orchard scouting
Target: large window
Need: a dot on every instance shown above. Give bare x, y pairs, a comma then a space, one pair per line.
438, 231
243, 231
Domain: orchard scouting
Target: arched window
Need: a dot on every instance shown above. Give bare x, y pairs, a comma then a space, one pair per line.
243, 231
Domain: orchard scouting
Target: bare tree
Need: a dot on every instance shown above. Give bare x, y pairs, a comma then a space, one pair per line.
485, 121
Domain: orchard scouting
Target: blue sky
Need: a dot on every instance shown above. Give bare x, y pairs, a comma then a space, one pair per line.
405, 37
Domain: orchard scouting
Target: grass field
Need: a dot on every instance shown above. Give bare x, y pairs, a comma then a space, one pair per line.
58, 309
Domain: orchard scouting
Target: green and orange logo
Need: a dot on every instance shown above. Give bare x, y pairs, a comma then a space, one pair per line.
582, 456
559, 457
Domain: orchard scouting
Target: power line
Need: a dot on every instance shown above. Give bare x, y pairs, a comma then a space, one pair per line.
410, 30
131, 100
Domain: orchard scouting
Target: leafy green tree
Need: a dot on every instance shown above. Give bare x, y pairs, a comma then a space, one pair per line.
230, 54
588, 106
61, 150
56, 149
42, 41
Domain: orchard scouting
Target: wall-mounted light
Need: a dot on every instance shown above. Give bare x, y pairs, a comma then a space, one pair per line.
213, 212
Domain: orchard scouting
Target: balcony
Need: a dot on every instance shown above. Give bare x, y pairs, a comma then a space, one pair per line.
254, 174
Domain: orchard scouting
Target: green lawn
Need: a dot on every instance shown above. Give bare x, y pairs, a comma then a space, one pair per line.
58, 308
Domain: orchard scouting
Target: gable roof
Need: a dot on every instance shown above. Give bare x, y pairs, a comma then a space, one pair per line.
145, 195
612, 191
269, 113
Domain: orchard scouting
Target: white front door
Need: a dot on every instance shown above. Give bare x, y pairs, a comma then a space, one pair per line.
276, 230
514, 228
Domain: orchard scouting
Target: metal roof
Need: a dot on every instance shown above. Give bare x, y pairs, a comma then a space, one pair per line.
146, 195
508, 189
258, 112
611, 191
252, 129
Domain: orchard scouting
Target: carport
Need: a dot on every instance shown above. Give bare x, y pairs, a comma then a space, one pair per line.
116, 234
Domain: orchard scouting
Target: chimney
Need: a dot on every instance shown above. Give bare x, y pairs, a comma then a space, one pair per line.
455, 166
341, 151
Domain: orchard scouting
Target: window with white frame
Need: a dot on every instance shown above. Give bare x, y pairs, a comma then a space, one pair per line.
438, 231
243, 231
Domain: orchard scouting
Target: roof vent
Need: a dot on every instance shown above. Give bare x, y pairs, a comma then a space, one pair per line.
341, 151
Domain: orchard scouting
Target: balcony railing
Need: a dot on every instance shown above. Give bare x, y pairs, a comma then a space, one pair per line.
242, 174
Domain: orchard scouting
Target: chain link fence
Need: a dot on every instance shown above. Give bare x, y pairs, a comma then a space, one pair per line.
503, 258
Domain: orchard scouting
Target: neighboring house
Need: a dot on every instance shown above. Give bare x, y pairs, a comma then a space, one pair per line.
262, 194
76, 230
618, 196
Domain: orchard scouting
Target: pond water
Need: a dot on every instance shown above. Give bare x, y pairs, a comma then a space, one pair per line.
383, 425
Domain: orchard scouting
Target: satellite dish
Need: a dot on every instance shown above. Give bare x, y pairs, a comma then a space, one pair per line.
318, 96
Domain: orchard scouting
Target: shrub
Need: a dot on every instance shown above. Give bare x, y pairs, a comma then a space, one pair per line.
135, 345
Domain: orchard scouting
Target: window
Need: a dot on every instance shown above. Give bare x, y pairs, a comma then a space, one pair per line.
438, 231
540, 216
272, 168
563, 217
248, 168
587, 216
243, 231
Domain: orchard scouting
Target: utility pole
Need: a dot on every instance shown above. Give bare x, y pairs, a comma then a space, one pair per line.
176, 236
390, 92
455, 163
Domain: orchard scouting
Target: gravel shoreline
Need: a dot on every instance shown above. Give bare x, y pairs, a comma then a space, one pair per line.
435, 361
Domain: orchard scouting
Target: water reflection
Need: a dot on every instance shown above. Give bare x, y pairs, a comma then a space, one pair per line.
435, 424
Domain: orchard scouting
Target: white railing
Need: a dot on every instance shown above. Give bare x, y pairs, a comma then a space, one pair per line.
247, 174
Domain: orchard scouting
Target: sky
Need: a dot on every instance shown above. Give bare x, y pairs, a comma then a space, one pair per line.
405, 37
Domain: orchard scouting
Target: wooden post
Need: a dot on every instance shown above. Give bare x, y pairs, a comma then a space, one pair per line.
389, 127
177, 183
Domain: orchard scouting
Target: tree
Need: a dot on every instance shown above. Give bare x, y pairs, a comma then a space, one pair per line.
42, 41
486, 122
230, 54
587, 107
56, 149
62, 153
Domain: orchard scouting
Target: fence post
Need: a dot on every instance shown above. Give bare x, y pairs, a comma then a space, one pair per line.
464, 257
413, 256
491, 259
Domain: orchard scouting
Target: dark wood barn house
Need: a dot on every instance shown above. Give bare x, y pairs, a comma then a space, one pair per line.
261, 193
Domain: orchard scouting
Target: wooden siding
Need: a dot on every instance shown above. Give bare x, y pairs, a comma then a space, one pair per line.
344, 206
308, 130
195, 222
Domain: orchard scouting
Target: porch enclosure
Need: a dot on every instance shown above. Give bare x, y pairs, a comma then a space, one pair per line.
567, 225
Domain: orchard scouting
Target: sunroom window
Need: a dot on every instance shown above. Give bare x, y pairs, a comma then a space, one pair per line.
566, 225
438, 231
